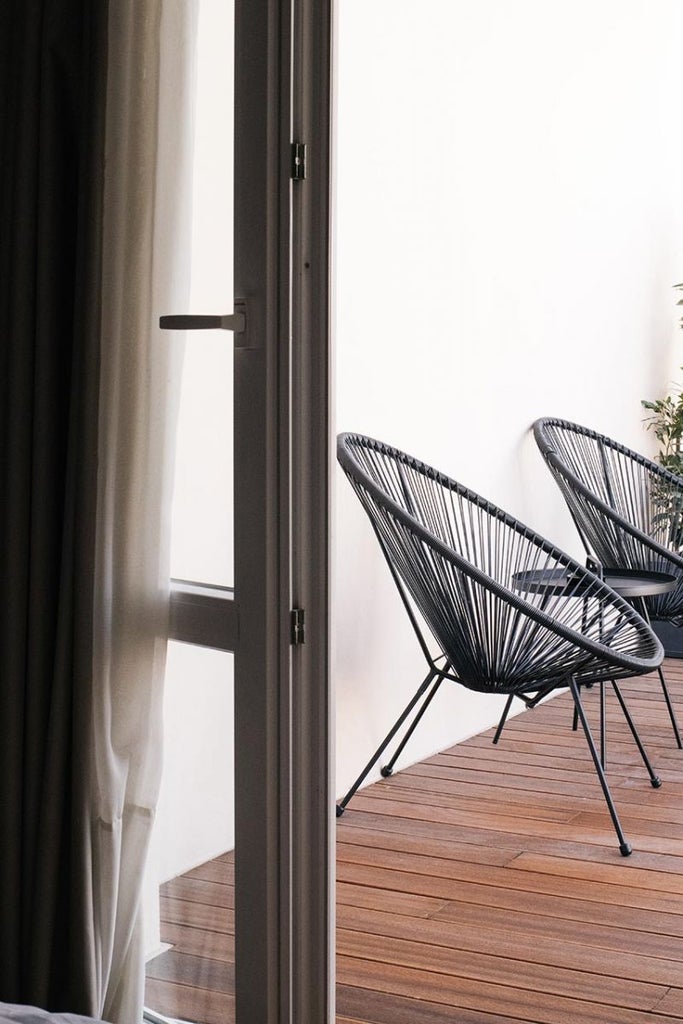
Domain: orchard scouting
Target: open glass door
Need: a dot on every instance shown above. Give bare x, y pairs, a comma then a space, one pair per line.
191, 971
242, 849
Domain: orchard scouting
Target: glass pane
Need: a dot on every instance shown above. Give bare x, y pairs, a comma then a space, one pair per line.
189, 890
191, 977
202, 540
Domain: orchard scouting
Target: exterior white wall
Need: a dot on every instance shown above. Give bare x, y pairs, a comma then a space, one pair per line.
509, 226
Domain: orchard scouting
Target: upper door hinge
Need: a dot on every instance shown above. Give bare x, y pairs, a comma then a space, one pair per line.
297, 631
298, 161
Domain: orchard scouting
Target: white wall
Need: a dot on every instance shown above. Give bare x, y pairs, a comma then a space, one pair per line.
509, 226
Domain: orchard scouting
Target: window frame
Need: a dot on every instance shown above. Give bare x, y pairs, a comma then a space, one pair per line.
204, 615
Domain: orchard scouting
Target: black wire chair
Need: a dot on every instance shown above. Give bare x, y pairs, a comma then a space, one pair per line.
628, 511
457, 561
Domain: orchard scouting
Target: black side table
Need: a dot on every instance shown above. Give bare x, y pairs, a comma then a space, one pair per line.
632, 584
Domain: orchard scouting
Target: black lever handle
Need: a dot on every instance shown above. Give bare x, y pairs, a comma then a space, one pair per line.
188, 322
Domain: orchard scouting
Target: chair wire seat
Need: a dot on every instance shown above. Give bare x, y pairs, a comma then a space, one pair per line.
455, 558
628, 511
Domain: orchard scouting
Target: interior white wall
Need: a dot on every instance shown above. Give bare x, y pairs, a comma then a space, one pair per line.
508, 228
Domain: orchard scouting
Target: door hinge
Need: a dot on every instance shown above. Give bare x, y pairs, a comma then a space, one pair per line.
298, 635
298, 161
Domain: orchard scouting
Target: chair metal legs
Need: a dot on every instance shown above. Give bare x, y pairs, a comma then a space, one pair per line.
530, 703
433, 673
599, 759
434, 679
387, 769
624, 847
503, 717
641, 607
654, 779
669, 705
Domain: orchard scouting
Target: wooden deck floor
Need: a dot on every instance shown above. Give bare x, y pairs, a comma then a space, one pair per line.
484, 886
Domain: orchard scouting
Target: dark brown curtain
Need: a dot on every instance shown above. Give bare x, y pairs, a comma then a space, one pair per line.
52, 98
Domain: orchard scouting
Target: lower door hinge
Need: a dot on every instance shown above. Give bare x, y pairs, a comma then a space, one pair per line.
297, 635
298, 171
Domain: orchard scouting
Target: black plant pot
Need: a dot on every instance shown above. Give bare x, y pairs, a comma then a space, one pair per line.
671, 637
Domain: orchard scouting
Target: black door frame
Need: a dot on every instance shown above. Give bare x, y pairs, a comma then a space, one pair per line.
284, 802
284, 806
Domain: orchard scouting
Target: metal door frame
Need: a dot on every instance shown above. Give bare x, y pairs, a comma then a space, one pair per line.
283, 796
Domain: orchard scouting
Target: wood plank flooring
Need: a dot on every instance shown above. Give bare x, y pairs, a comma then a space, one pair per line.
484, 886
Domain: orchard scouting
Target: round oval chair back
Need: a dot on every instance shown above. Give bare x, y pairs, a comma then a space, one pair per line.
469, 572
628, 511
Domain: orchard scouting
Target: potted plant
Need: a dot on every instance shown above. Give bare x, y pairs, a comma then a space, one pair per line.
665, 420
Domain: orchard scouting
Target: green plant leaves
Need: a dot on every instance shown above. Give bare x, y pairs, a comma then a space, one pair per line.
666, 422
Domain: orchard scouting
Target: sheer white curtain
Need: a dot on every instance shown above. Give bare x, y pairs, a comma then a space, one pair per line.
146, 273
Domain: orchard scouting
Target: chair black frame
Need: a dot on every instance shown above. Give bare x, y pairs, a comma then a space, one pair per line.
491, 638
624, 506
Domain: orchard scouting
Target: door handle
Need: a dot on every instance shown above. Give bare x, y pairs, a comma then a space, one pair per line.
235, 322
189, 322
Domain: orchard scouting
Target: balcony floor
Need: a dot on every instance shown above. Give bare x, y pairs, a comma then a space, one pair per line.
484, 886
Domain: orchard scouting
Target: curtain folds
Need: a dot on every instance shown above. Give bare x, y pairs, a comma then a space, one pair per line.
91, 251
147, 225
52, 100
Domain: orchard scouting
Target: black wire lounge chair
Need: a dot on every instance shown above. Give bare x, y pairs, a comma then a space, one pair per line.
628, 511
463, 569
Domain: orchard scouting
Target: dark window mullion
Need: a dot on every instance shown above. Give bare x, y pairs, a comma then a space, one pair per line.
203, 615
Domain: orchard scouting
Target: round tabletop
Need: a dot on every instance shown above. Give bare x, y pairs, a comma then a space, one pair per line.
625, 582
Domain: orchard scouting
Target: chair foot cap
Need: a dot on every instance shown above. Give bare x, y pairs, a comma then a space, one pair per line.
340, 811
656, 782
625, 849
386, 771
